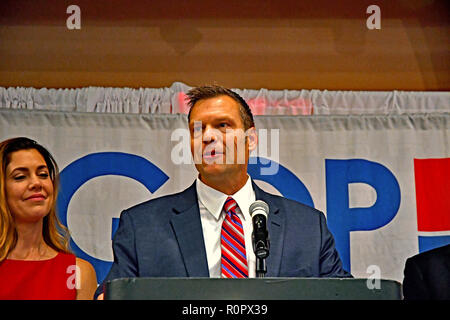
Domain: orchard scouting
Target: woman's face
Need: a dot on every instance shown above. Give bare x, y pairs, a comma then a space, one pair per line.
29, 188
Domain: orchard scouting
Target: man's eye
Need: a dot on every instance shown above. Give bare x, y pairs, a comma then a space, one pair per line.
223, 125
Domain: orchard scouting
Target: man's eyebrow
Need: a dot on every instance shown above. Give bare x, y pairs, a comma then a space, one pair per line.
225, 118
218, 119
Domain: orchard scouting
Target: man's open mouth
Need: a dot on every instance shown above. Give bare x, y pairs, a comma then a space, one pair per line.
212, 154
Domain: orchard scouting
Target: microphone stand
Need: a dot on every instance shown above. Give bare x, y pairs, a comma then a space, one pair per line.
261, 253
260, 236
261, 267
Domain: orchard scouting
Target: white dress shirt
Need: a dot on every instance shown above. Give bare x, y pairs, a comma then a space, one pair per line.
211, 203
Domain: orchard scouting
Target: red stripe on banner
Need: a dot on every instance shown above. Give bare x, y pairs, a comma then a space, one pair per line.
432, 179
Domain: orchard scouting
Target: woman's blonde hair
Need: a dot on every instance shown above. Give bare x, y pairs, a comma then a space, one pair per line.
54, 233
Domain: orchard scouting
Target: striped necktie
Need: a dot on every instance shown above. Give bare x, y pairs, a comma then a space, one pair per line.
234, 260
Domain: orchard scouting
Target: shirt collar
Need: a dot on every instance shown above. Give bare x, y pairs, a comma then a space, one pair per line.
213, 200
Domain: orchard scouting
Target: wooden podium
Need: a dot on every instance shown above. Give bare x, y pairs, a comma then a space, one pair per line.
250, 289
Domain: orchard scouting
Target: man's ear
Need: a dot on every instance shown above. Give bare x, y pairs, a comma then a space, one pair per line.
252, 139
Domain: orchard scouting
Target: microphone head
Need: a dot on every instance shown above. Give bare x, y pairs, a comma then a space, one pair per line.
259, 207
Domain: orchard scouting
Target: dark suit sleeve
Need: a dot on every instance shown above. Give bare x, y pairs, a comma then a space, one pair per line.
330, 262
124, 248
414, 287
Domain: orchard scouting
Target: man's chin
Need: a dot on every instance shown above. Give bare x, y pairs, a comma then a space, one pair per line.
212, 169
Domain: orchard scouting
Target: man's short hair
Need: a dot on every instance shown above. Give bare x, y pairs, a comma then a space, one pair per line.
211, 91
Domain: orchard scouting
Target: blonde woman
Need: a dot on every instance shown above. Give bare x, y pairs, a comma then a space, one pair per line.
35, 261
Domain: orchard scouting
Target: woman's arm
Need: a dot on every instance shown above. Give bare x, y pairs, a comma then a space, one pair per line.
87, 281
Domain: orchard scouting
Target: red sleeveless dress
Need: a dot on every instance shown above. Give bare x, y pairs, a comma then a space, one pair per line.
52, 279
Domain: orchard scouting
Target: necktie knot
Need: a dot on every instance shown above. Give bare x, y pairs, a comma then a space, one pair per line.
230, 205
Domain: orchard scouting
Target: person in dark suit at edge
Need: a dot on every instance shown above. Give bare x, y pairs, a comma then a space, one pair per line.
205, 230
427, 275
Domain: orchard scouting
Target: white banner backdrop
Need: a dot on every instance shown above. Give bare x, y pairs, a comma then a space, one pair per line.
261, 101
358, 170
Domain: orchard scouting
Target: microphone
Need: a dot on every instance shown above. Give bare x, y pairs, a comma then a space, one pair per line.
260, 236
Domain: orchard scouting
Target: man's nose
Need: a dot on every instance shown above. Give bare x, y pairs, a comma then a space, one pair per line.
209, 134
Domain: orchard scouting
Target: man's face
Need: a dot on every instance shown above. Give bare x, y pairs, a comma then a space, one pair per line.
218, 142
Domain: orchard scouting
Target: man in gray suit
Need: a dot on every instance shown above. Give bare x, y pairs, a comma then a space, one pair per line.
205, 230
427, 275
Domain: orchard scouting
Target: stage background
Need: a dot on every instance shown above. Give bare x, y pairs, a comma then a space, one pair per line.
363, 115
290, 44
381, 177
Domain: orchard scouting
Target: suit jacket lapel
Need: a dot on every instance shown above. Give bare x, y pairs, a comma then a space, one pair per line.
187, 226
276, 230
